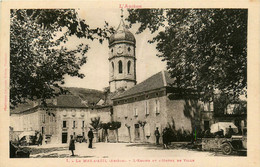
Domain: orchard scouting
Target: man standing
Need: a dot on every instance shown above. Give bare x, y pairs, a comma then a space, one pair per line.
90, 137
230, 131
157, 135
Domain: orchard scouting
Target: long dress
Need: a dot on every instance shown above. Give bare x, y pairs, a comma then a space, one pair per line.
72, 144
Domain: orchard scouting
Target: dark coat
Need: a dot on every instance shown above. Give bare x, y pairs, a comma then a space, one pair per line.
165, 136
72, 144
90, 134
157, 133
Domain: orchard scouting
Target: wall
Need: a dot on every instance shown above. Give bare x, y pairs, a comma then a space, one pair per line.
125, 113
175, 110
51, 120
70, 115
103, 113
27, 121
114, 85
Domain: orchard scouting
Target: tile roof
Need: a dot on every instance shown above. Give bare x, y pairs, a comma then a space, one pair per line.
158, 80
23, 107
75, 98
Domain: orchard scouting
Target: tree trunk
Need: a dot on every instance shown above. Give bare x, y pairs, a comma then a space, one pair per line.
106, 136
129, 133
143, 134
117, 135
96, 136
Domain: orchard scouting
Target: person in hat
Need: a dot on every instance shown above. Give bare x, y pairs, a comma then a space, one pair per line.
230, 131
90, 137
157, 135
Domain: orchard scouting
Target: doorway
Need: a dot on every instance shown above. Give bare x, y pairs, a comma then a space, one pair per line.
43, 130
137, 132
64, 137
206, 125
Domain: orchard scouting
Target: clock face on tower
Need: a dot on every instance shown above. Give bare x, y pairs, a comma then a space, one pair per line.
119, 49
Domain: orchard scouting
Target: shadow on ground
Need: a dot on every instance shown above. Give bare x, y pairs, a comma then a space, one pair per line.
46, 150
182, 146
158, 147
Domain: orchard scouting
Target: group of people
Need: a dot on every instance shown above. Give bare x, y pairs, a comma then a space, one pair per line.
166, 135
72, 141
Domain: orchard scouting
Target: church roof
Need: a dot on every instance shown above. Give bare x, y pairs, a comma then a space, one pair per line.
158, 80
122, 34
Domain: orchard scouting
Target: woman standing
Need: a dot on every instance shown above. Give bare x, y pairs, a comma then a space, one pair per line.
72, 145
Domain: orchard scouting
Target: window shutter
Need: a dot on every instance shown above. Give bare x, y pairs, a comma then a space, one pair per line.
147, 107
157, 106
135, 112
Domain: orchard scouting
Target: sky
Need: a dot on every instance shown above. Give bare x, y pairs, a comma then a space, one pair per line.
96, 69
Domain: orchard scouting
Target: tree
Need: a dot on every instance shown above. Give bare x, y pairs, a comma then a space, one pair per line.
96, 123
39, 58
142, 124
129, 132
205, 49
105, 127
222, 101
192, 110
115, 125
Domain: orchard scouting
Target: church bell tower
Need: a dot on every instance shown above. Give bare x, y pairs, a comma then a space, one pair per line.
122, 61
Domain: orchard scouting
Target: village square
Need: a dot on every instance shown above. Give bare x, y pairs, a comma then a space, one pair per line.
195, 106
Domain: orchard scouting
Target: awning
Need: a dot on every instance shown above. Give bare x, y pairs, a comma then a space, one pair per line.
224, 126
27, 133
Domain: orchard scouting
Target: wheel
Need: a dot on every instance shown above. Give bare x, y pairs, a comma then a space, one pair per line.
226, 149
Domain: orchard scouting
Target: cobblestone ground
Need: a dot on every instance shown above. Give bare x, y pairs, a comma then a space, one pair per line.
115, 150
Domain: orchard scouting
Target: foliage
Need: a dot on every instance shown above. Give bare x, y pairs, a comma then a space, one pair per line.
241, 108
39, 58
222, 101
142, 123
114, 125
105, 126
192, 110
96, 123
179, 135
205, 49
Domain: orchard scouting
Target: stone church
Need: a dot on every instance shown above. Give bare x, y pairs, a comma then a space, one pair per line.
139, 107
142, 107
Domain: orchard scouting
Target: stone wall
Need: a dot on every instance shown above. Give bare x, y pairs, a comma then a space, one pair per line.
129, 114
175, 110
26, 121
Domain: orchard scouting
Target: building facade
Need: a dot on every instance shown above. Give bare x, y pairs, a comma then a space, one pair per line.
149, 105
67, 115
